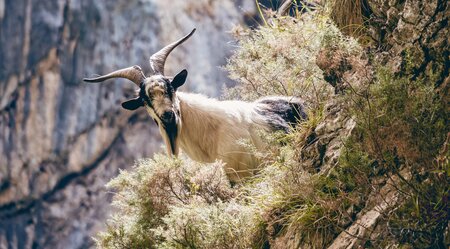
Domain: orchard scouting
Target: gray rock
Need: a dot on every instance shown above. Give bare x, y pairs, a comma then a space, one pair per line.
61, 140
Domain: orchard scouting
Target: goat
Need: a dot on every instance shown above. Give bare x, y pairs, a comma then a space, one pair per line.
206, 129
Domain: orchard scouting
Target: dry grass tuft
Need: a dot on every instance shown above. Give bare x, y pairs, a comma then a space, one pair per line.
348, 16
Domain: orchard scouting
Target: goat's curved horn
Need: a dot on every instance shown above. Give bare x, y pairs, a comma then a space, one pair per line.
158, 59
133, 73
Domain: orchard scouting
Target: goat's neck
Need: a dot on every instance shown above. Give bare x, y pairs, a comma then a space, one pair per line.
198, 134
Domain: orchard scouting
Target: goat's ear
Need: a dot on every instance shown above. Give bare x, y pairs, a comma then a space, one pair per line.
179, 79
132, 104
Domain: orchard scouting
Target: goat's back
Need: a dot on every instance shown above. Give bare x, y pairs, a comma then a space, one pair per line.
281, 113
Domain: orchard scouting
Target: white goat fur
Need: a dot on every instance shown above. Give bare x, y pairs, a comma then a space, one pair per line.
211, 129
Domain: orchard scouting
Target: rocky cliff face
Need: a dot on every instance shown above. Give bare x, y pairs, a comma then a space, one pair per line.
410, 39
60, 139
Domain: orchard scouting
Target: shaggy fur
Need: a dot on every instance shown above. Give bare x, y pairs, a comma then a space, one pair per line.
211, 129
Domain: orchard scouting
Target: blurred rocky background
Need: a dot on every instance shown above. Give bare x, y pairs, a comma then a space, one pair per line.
61, 140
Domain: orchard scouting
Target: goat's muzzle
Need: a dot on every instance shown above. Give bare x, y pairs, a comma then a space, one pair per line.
171, 129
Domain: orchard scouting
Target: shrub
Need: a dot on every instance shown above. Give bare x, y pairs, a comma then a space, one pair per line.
401, 126
149, 192
280, 60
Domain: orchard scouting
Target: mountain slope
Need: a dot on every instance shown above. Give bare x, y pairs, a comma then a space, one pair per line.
370, 168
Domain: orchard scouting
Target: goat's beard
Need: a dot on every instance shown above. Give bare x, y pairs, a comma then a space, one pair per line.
169, 130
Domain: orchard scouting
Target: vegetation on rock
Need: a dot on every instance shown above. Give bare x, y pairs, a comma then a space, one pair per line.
371, 164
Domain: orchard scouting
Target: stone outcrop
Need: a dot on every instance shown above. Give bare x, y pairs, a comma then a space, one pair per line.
411, 39
413, 36
408, 37
61, 140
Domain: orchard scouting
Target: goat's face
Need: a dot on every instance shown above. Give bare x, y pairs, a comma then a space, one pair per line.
158, 94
